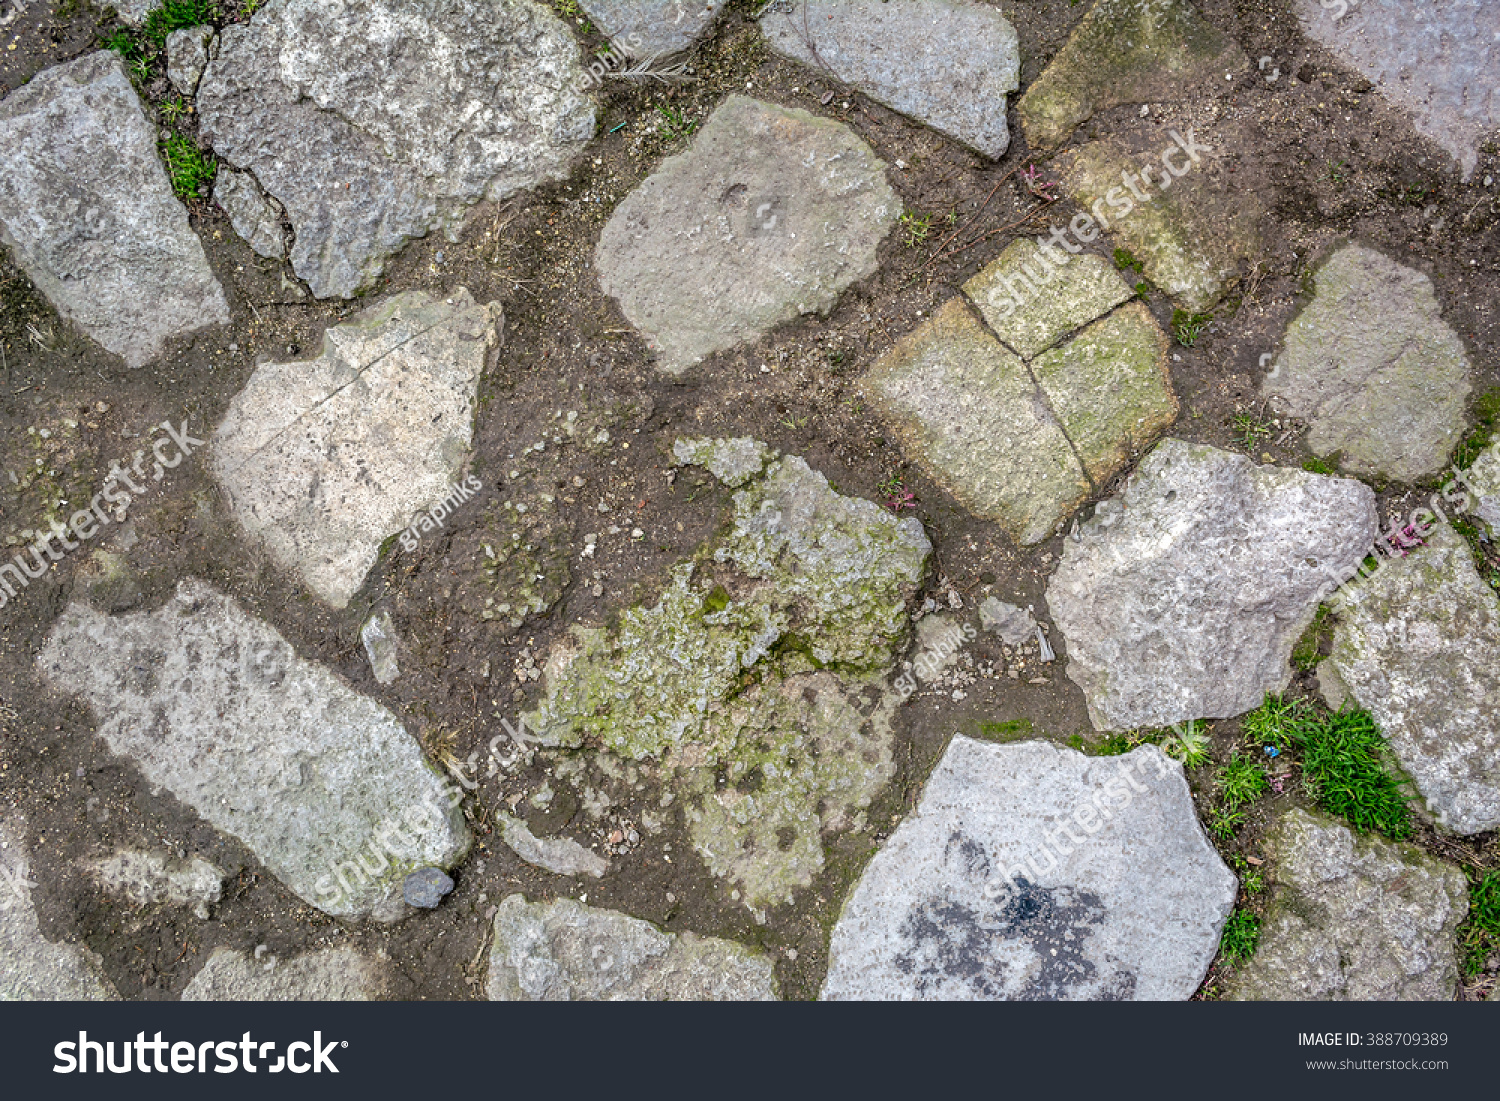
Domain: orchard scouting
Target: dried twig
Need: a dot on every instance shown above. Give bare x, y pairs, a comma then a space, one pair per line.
646, 69
972, 218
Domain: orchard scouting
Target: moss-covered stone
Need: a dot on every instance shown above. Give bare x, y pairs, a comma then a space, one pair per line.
756, 678
1126, 51
1190, 239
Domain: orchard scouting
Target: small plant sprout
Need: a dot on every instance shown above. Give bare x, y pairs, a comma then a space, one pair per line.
1188, 327
673, 125
897, 496
1188, 743
914, 228
1041, 188
1250, 429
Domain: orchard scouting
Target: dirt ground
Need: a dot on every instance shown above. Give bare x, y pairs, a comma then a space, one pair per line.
1321, 151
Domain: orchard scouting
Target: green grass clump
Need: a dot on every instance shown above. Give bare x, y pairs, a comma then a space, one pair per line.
177, 15
1126, 262
1479, 937
1010, 729
1241, 781
1343, 765
188, 166
1240, 938
1486, 414
1187, 327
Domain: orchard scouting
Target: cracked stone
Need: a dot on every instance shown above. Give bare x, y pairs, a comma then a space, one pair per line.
377, 121
187, 57
323, 461
653, 28
1010, 294
250, 212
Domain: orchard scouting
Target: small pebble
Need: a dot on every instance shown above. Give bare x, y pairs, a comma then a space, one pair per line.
425, 888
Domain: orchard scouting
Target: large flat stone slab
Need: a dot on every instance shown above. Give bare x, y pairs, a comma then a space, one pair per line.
1437, 61
328, 975
87, 211
564, 951
1190, 233
33, 968
325, 786
1127, 51
322, 461
969, 412
1373, 367
376, 121
1034, 873
1418, 646
947, 63
770, 214
653, 28
801, 579
1354, 919
1182, 597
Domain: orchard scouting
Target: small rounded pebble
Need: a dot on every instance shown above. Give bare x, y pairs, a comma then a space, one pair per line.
425, 888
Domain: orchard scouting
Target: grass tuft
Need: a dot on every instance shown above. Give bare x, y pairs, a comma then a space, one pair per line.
1240, 938
1479, 937
190, 168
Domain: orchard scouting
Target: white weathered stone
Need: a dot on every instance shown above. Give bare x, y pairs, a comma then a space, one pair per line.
33, 968
147, 878
564, 951
216, 707
1031, 872
560, 856
1183, 597
329, 975
87, 211
324, 461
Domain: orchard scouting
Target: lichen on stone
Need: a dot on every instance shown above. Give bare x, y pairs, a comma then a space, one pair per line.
756, 677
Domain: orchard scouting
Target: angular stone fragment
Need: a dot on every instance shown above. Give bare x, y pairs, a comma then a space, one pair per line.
215, 707
382, 647
802, 579
1389, 397
33, 968
734, 462
1127, 51
560, 856
323, 461
1190, 233
147, 878
968, 411
87, 211
1439, 62
563, 951
1014, 625
250, 212
947, 63
1182, 597
376, 121
1031, 872
1418, 646
647, 28
1111, 389
1030, 308
1354, 919
329, 975
187, 57
770, 214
